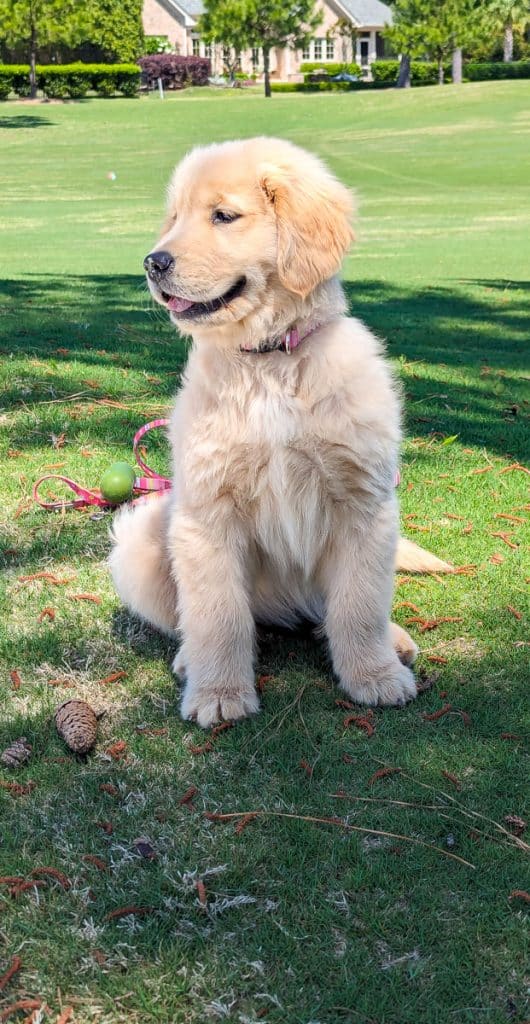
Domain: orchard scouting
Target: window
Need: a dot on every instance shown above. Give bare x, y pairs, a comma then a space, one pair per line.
208, 52
306, 52
330, 49
255, 57
317, 49
196, 46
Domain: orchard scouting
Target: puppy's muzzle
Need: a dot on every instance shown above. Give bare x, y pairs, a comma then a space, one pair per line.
156, 264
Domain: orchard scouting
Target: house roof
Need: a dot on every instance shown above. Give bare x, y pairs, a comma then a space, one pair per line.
372, 13
193, 7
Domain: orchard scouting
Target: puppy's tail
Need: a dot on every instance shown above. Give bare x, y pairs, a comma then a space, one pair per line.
411, 558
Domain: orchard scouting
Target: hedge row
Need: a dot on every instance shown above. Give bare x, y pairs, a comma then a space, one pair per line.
332, 69
175, 71
71, 81
484, 72
426, 72
422, 72
320, 86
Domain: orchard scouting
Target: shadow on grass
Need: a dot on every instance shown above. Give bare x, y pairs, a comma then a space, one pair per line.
462, 349
24, 121
299, 883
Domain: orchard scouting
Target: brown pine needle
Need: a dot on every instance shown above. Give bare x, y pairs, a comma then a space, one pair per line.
98, 863
244, 821
437, 659
65, 1016
382, 773
511, 519
113, 678
46, 613
515, 613
85, 597
519, 894
514, 466
339, 823
437, 714
505, 536
204, 749
407, 604
201, 892
188, 795
16, 964
361, 721
125, 911
59, 876
21, 1004
16, 681
452, 778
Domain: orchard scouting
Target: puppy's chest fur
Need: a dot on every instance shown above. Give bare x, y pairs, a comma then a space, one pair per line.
285, 459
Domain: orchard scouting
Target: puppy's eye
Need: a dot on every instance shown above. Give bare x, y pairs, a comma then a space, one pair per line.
223, 217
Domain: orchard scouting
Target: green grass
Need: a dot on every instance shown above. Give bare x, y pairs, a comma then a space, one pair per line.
305, 922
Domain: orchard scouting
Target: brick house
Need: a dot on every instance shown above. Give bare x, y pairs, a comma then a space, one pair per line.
177, 19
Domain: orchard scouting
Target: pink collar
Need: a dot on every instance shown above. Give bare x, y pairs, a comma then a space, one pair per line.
286, 342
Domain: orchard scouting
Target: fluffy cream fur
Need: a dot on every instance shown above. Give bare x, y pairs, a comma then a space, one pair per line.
283, 502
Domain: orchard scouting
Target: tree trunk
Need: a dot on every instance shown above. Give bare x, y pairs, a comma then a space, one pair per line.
457, 66
403, 79
33, 63
440, 71
508, 42
266, 71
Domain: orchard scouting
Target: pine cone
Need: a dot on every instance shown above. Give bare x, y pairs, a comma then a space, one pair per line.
17, 754
77, 725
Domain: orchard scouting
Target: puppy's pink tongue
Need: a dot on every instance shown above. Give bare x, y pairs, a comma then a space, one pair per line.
178, 305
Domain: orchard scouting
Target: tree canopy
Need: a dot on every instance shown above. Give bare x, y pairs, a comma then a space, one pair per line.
260, 23
437, 28
29, 27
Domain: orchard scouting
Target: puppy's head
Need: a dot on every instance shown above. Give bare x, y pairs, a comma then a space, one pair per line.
247, 221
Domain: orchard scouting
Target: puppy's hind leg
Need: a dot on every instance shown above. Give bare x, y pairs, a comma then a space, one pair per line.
140, 564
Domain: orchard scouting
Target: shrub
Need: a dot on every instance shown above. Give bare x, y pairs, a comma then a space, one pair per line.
175, 71
483, 72
320, 86
63, 81
331, 69
108, 79
156, 44
422, 72
6, 82
71, 81
14, 78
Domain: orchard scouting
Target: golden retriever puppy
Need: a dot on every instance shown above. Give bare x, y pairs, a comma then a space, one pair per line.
285, 438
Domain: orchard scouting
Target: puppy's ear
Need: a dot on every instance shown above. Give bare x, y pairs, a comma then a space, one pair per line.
313, 215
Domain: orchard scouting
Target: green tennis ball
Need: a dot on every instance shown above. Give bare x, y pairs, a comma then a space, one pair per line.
117, 483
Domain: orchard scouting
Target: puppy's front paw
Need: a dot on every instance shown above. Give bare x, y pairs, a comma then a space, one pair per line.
209, 705
393, 686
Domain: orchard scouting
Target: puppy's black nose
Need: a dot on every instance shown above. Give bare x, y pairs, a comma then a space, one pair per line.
157, 263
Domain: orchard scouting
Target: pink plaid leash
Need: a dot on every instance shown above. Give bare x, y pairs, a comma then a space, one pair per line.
143, 485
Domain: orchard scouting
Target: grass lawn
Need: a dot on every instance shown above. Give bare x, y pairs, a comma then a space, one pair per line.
302, 922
